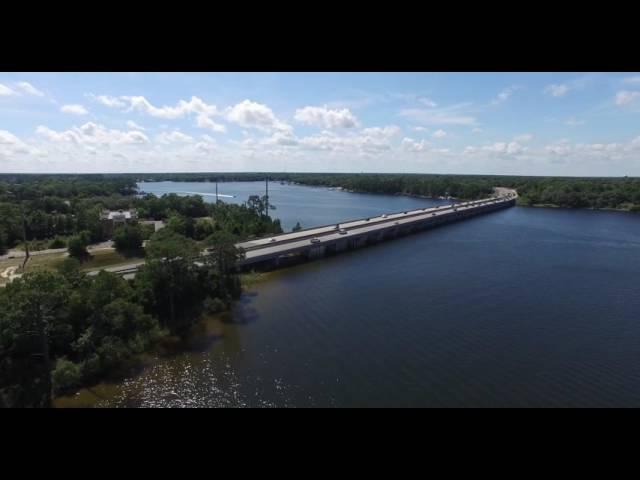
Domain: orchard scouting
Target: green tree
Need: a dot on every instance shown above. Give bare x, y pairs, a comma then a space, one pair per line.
297, 227
128, 238
77, 246
3, 242
66, 376
168, 280
31, 313
202, 228
178, 223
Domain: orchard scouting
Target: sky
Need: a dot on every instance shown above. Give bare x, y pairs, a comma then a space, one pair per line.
576, 124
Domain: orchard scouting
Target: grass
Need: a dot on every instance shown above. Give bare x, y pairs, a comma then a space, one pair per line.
109, 258
99, 259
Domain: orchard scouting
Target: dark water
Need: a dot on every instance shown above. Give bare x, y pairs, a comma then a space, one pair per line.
520, 308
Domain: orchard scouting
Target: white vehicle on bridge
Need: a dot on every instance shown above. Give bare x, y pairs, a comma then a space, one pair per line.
384, 215
272, 240
315, 240
342, 231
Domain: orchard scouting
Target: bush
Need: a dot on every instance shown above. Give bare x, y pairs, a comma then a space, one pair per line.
57, 243
214, 305
65, 376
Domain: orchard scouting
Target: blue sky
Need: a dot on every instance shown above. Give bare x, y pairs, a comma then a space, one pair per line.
483, 123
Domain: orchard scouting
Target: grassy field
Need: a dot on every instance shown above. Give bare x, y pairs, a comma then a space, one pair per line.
109, 258
99, 259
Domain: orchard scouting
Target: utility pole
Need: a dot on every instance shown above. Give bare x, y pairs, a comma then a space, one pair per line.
267, 196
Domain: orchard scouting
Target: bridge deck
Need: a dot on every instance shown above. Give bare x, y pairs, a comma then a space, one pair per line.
284, 244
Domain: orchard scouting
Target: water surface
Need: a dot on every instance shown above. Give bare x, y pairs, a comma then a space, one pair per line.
520, 308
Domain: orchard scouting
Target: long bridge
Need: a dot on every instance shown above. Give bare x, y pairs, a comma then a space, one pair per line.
279, 250
287, 248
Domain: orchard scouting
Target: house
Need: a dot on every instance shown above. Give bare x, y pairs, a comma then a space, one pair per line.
112, 219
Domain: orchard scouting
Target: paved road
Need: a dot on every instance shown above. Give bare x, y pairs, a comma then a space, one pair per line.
21, 254
330, 234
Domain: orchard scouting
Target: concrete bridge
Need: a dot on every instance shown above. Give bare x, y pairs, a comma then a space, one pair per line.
288, 248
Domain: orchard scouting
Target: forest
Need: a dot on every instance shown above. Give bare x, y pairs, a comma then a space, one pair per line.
61, 329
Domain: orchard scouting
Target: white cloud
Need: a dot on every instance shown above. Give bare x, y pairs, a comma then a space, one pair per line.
7, 138
206, 148
504, 148
205, 122
427, 102
561, 148
74, 109
283, 138
504, 95
625, 97
420, 129
384, 132
250, 114
174, 137
526, 137
6, 91
108, 100
369, 141
133, 125
632, 80
195, 106
556, 90
439, 134
411, 145
182, 108
476, 130
29, 89
20, 88
572, 122
326, 118
93, 134
453, 115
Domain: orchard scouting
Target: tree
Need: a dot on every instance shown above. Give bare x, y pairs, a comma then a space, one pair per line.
177, 223
3, 242
202, 228
31, 310
77, 246
128, 238
168, 280
297, 227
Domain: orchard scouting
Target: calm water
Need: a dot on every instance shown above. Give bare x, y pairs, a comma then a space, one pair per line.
522, 307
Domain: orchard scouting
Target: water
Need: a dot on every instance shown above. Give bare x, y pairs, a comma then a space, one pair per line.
519, 308
311, 206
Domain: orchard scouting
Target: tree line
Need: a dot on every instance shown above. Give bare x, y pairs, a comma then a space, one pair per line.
621, 193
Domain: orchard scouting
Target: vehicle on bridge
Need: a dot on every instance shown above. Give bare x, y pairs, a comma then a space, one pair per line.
315, 240
342, 231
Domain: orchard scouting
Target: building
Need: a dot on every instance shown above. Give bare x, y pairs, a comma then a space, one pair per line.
112, 219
